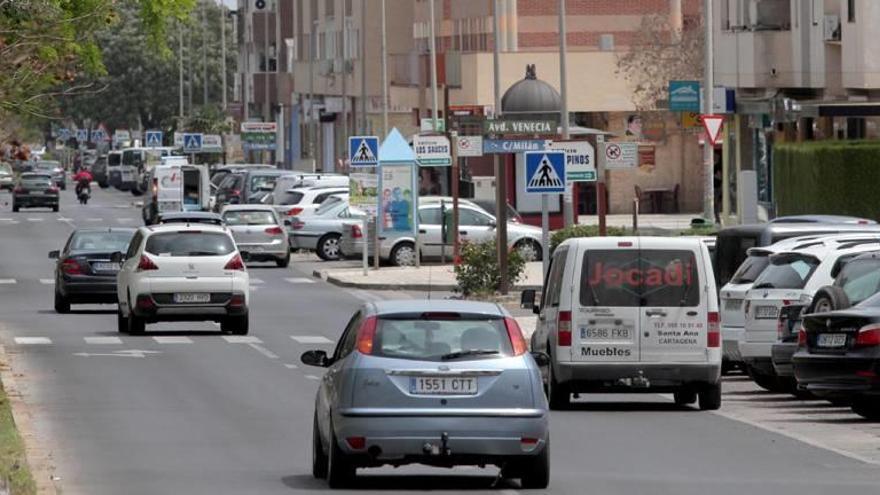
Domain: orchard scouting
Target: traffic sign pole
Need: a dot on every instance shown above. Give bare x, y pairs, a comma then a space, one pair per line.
600, 188
456, 242
545, 234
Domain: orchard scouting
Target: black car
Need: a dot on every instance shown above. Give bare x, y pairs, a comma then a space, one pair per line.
35, 190
84, 273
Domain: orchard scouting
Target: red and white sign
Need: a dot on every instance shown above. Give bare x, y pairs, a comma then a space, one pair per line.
713, 125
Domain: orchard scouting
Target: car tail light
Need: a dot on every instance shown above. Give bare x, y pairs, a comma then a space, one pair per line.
145, 302
236, 263
52, 190
274, 231
356, 232
18, 189
146, 264
356, 443
237, 300
802, 337
780, 327
868, 336
563, 329
528, 443
155, 187
297, 224
294, 212
71, 267
366, 334
235, 192
714, 330
516, 336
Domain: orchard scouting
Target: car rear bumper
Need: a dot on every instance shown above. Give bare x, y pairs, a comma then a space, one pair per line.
781, 354
265, 251
731, 338
98, 289
473, 439
837, 375
587, 377
28, 200
160, 307
752, 350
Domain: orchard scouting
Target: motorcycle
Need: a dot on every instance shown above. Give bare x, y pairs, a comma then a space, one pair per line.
83, 193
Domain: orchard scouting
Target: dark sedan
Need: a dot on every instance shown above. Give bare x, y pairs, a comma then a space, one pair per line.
35, 190
838, 356
84, 273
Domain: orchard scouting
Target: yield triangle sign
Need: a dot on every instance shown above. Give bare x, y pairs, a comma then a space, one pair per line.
545, 175
713, 125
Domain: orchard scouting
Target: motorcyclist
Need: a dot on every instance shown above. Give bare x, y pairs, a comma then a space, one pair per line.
83, 180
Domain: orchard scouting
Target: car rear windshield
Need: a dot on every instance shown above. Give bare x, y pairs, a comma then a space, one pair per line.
114, 159
859, 279
258, 181
631, 278
249, 217
190, 243
110, 242
751, 268
33, 179
291, 198
441, 338
787, 271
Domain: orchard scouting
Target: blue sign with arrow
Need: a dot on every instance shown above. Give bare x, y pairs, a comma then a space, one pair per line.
153, 139
192, 143
363, 151
545, 172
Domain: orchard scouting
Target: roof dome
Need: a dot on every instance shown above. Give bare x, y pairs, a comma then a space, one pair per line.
531, 95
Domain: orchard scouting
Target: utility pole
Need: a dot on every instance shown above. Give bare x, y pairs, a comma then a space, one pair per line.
345, 129
223, 15
189, 77
500, 168
708, 90
204, 10
384, 74
433, 69
312, 54
567, 206
182, 110
363, 57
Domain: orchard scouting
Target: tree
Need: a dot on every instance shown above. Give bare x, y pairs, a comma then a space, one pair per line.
661, 53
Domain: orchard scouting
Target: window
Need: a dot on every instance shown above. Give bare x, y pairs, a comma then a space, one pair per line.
291, 198
348, 341
189, 243
260, 181
851, 11
649, 278
553, 286
860, 279
329, 7
249, 217
787, 271
750, 269
428, 339
134, 245
473, 218
430, 216
110, 242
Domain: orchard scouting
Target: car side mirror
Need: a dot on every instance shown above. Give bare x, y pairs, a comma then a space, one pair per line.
117, 257
527, 299
492, 224
54, 255
316, 358
541, 358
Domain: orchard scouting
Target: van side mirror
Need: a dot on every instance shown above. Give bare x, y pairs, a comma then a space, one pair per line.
54, 255
316, 358
117, 257
527, 299
541, 358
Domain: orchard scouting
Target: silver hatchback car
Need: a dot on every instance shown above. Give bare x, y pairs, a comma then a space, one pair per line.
258, 232
441, 383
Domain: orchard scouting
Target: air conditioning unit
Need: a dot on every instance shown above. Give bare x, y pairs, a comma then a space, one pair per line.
831, 28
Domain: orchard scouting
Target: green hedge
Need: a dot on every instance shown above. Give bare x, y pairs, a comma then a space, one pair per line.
827, 177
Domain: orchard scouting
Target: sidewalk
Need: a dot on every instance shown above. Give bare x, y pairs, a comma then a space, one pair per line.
430, 277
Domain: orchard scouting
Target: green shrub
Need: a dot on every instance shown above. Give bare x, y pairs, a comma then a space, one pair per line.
709, 230
583, 231
478, 273
827, 177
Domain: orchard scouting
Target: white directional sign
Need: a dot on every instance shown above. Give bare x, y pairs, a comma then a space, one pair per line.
192, 143
64, 134
580, 160
363, 151
470, 146
121, 136
433, 151
212, 143
545, 172
154, 139
619, 156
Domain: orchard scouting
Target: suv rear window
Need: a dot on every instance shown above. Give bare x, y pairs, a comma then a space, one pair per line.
657, 277
751, 268
427, 339
291, 198
859, 279
189, 243
787, 271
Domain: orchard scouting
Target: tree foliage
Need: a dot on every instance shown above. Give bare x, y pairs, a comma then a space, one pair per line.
660, 53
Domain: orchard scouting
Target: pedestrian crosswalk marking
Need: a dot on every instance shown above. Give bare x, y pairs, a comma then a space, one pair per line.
103, 340
545, 175
299, 280
33, 340
8, 281
242, 339
172, 340
47, 281
311, 339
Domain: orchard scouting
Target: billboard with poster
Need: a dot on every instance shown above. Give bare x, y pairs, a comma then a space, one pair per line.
364, 192
397, 203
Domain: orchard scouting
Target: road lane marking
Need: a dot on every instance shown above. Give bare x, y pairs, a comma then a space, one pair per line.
8, 281
299, 280
291, 366
7, 220
242, 339
34, 219
94, 219
262, 350
103, 340
125, 220
313, 377
172, 340
311, 339
47, 281
136, 353
257, 281
33, 340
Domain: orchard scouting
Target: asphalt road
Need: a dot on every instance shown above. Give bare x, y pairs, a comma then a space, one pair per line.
186, 410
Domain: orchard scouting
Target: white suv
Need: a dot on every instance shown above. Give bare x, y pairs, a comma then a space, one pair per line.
182, 273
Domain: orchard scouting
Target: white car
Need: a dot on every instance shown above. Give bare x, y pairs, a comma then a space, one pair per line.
305, 200
179, 272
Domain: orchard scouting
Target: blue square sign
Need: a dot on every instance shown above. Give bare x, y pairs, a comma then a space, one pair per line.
363, 151
684, 96
545, 172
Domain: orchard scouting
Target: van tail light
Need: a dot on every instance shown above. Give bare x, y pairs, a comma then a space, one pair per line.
18, 190
146, 264
236, 263
516, 336
714, 330
155, 187
802, 337
868, 336
366, 334
356, 232
274, 231
356, 443
71, 267
294, 212
563, 329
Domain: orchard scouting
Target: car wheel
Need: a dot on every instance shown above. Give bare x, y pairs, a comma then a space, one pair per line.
55, 208
866, 407
710, 397
340, 470
14, 208
62, 305
830, 298
769, 383
136, 325
536, 470
404, 254
121, 321
283, 262
319, 457
684, 397
558, 394
529, 250
328, 247
236, 325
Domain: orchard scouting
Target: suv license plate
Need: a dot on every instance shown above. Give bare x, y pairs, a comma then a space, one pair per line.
831, 340
192, 297
443, 385
768, 312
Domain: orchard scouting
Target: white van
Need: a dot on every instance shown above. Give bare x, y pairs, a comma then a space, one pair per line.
176, 187
630, 314
135, 163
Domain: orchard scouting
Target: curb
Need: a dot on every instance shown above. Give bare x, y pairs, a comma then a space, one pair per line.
323, 275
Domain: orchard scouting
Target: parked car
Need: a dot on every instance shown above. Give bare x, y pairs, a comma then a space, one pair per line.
182, 273
258, 232
792, 277
54, 169
489, 206
321, 232
84, 273
475, 225
220, 173
295, 180
416, 356
246, 186
823, 219
630, 314
304, 201
35, 190
7, 177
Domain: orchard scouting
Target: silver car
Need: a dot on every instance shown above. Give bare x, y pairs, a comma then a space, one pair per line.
7, 179
321, 231
258, 233
54, 169
441, 383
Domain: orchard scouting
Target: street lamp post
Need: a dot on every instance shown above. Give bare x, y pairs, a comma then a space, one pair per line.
500, 168
567, 206
708, 151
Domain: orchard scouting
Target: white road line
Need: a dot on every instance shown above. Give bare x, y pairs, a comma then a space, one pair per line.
242, 339
173, 340
262, 350
33, 340
34, 219
313, 377
62, 219
291, 366
311, 339
299, 280
7, 219
8, 281
94, 219
125, 220
47, 281
103, 340
257, 281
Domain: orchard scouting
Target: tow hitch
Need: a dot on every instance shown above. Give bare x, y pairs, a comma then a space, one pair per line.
638, 381
441, 449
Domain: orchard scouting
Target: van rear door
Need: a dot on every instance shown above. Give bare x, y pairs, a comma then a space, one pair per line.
606, 312
674, 313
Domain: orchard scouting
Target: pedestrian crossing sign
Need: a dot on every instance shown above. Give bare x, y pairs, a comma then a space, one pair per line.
545, 172
154, 139
192, 143
363, 151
